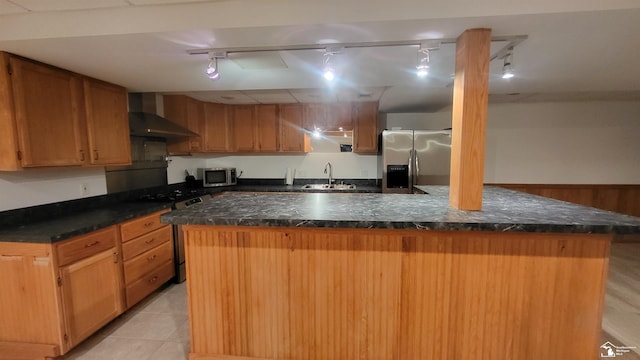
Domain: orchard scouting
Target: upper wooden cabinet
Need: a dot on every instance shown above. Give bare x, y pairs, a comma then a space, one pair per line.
53, 117
43, 125
365, 127
267, 134
107, 123
216, 134
189, 113
293, 138
328, 116
243, 128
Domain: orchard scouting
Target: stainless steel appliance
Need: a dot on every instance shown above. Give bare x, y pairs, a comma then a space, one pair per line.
415, 157
217, 176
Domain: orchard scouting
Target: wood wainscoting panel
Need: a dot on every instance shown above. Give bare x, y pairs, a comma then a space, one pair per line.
291, 293
624, 199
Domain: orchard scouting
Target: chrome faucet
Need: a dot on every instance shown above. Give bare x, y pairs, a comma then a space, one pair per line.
330, 172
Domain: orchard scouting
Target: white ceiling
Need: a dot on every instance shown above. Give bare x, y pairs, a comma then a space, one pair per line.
575, 50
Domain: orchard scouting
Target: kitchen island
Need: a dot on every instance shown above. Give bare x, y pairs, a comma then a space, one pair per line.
386, 276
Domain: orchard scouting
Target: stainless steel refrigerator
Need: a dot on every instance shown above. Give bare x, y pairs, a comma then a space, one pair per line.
415, 157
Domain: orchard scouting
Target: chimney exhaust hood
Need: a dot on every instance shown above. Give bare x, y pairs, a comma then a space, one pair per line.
144, 121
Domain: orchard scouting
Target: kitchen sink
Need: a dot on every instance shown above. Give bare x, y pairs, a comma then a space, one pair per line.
329, 187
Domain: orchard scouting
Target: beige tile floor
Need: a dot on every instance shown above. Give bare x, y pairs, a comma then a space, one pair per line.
158, 327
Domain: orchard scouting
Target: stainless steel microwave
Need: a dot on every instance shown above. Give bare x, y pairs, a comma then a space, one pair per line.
217, 176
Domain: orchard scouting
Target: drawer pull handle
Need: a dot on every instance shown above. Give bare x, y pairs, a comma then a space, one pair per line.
150, 241
92, 244
153, 279
148, 224
151, 258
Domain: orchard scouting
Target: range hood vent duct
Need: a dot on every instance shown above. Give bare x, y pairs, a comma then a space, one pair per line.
144, 121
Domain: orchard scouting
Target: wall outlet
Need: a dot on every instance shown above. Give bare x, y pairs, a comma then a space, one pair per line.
84, 189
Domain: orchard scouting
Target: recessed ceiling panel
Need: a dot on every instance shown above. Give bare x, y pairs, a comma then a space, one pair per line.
258, 60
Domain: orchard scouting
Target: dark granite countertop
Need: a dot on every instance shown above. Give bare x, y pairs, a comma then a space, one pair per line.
503, 210
68, 221
74, 224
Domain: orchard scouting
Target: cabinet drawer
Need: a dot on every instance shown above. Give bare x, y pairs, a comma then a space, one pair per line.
142, 287
147, 262
142, 225
84, 246
145, 242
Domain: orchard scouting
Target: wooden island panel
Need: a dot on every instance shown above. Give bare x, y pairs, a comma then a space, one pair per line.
292, 293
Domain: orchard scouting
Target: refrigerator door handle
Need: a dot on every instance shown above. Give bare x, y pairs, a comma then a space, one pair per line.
410, 177
416, 168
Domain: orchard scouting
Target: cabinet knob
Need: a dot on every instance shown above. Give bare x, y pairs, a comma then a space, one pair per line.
153, 279
150, 241
96, 156
92, 244
151, 258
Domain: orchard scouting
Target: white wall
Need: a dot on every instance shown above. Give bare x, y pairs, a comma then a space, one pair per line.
345, 165
42, 186
554, 143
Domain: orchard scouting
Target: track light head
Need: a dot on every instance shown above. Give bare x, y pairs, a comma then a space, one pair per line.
212, 69
422, 69
328, 70
507, 67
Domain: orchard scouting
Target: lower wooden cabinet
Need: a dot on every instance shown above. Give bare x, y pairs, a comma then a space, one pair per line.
91, 294
56, 295
149, 260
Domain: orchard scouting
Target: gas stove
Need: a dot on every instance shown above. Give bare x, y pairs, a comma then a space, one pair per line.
174, 196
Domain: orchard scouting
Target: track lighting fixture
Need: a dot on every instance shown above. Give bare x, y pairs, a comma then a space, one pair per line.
328, 69
213, 72
212, 69
328, 58
507, 68
422, 69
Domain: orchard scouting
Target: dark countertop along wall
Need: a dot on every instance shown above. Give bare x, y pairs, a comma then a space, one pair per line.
281, 205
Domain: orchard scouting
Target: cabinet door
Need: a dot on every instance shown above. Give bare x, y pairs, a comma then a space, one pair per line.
188, 113
216, 135
267, 128
91, 294
365, 131
243, 125
340, 117
49, 117
292, 134
316, 116
195, 121
107, 123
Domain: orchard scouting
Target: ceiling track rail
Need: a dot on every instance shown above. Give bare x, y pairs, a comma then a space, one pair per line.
511, 40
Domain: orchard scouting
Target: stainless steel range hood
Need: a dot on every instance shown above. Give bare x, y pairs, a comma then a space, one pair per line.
144, 121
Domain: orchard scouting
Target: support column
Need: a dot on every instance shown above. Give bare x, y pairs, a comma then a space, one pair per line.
469, 122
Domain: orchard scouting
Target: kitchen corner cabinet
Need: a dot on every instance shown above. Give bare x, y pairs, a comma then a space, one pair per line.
293, 138
147, 250
365, 127
53, 117
188, 113
56, 295
216, 131
107, 123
